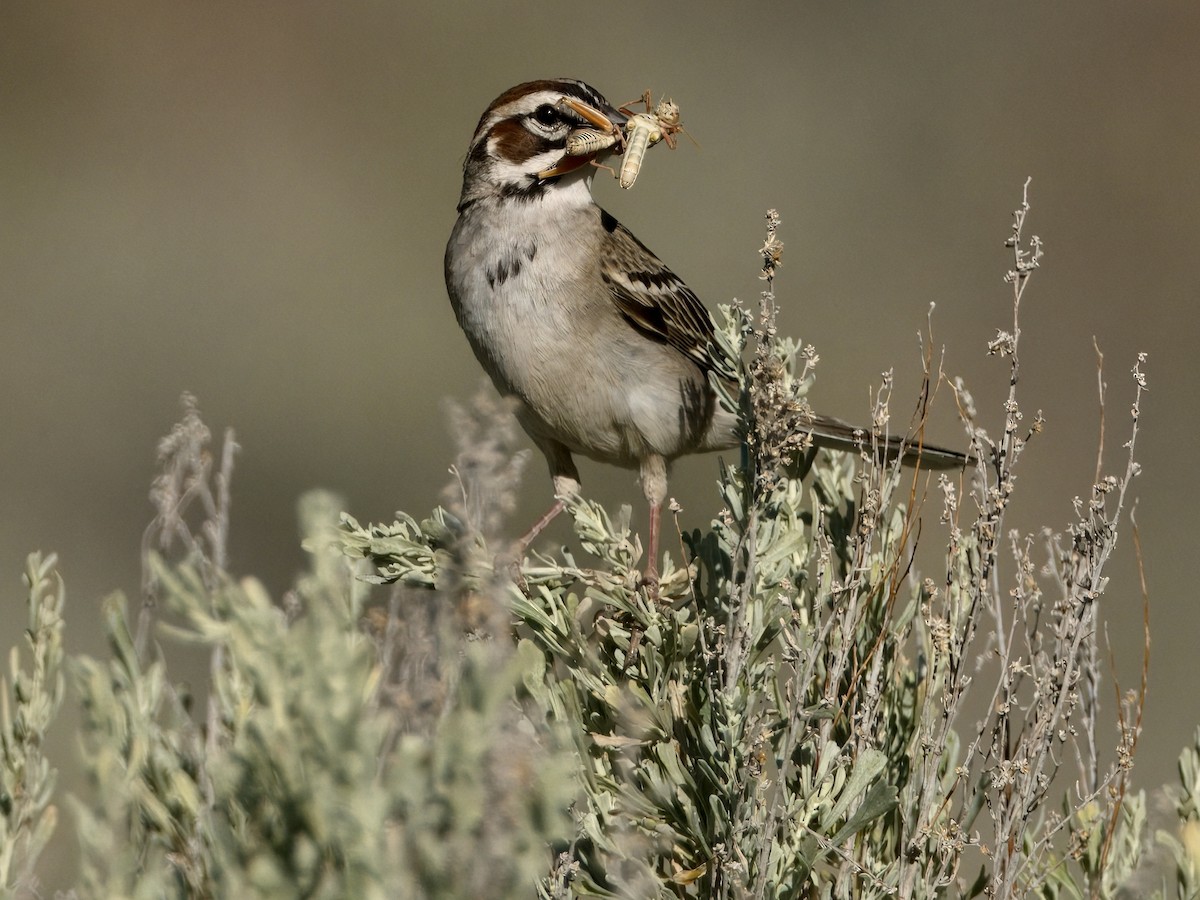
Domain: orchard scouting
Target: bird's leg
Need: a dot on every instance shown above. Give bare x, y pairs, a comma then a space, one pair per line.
651, 576
654, 486
540, 525
566, 484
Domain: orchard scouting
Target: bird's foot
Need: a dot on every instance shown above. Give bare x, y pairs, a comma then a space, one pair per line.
510, 560
651, 583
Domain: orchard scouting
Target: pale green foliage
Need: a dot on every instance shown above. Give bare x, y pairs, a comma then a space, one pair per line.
787, 719
784, 720
1183, 842
29, 700
317, 773
712, 752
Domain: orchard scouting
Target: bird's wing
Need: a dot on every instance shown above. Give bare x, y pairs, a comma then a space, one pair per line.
654, 300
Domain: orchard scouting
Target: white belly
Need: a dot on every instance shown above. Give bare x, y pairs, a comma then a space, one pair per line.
543, 326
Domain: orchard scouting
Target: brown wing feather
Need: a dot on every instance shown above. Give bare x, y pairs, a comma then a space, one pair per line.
652, 298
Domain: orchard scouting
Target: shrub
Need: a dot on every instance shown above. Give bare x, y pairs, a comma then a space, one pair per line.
788, 719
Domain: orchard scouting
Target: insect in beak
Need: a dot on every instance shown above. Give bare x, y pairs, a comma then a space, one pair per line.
585, 144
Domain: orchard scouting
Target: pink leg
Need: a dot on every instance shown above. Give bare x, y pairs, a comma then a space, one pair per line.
651, 576
566, 484
540, 525
654, 486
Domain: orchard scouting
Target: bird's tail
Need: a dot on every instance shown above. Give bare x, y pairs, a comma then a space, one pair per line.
834, 434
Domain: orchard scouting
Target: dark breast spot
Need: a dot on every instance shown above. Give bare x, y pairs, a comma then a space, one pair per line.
501, 270
509, 265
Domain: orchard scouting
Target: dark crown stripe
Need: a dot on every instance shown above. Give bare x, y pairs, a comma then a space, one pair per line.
568, 86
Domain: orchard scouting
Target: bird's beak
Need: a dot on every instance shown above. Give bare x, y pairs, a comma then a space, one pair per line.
565, 165
616, 116
604, 120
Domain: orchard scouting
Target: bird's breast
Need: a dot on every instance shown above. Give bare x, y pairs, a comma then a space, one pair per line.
540, 319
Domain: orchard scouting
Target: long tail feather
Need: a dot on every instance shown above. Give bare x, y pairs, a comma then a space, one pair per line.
834, 434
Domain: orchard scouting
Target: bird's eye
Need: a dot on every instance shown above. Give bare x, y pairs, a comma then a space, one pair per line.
547, 115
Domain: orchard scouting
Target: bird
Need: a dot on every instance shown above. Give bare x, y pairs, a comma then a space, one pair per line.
607, 352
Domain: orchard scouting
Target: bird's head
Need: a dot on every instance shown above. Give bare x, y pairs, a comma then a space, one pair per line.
538, 136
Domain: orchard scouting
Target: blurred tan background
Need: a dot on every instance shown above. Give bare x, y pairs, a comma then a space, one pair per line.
250, 201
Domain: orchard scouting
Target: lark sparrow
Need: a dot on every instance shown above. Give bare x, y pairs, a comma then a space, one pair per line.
607, 351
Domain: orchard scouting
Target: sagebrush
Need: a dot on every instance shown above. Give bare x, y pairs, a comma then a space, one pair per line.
789, 718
